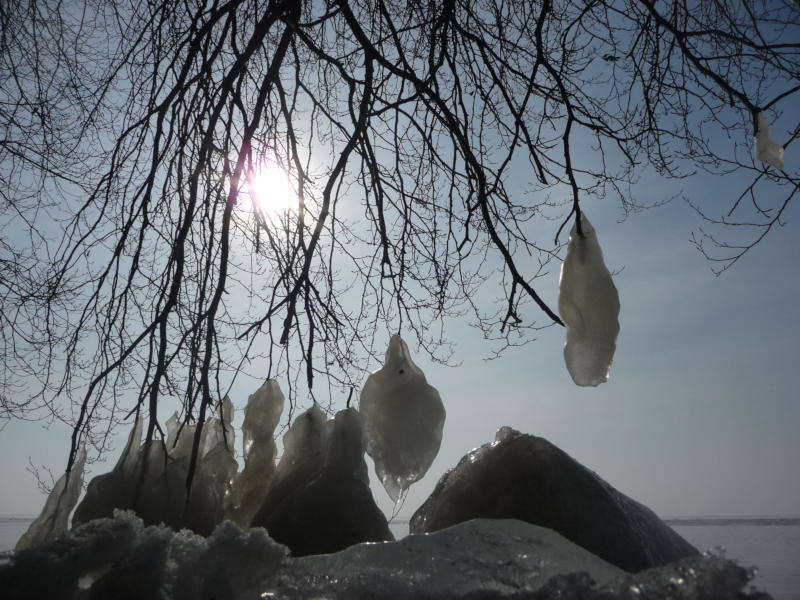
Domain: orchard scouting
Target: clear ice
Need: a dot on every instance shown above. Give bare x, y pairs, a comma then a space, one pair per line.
589, 305
54, 518
766, 149
403, 420
261, 417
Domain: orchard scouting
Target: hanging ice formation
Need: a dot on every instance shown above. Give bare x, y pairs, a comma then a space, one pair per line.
766, 149
403, 420
589, 305
52, 522
261, 417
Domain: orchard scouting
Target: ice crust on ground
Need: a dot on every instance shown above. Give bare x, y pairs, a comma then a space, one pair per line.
767, 150
261, 417
403, 420
589, 305
121, 558
54, 518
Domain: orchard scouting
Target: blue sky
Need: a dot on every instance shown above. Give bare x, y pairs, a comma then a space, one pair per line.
701, 412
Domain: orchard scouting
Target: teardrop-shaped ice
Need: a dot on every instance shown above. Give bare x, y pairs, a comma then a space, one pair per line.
403, 420
766, 149
589, 305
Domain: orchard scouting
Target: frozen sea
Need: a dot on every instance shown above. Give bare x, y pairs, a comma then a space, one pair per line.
771, 545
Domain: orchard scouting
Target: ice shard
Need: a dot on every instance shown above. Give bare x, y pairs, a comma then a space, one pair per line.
346, 445
261, 417
766, 149
115, 489
403, 420
304, 450
151, 479
589, 305
53, 520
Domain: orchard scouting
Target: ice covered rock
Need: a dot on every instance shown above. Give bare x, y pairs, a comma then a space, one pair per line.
321, 502
403, 420
54, 518
119, 558
766, 149
589, 305
525, 477
261, 417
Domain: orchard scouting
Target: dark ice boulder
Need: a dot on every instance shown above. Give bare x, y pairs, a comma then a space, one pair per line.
319, 501
331, 513
525, 477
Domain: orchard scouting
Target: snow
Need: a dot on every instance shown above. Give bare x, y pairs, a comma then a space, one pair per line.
403, 420
589, 305
54, 517
766, 149
121, 558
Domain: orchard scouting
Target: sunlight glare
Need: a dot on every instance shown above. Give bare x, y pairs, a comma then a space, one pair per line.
271, 191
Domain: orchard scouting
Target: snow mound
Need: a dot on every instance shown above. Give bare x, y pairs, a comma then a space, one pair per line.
589, 305
403, 420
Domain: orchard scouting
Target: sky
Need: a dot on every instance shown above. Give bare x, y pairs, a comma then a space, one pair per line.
699, 417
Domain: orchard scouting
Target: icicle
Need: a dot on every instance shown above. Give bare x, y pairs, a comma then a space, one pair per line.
589, 305
766, 149
403, 420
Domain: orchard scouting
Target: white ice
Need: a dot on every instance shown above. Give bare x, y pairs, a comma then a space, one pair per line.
54, 518
766, 149
403, 420
589, 305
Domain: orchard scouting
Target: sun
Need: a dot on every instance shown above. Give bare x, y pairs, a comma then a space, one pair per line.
270, 190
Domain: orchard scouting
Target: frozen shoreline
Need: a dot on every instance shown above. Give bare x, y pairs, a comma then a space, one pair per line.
497, 558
